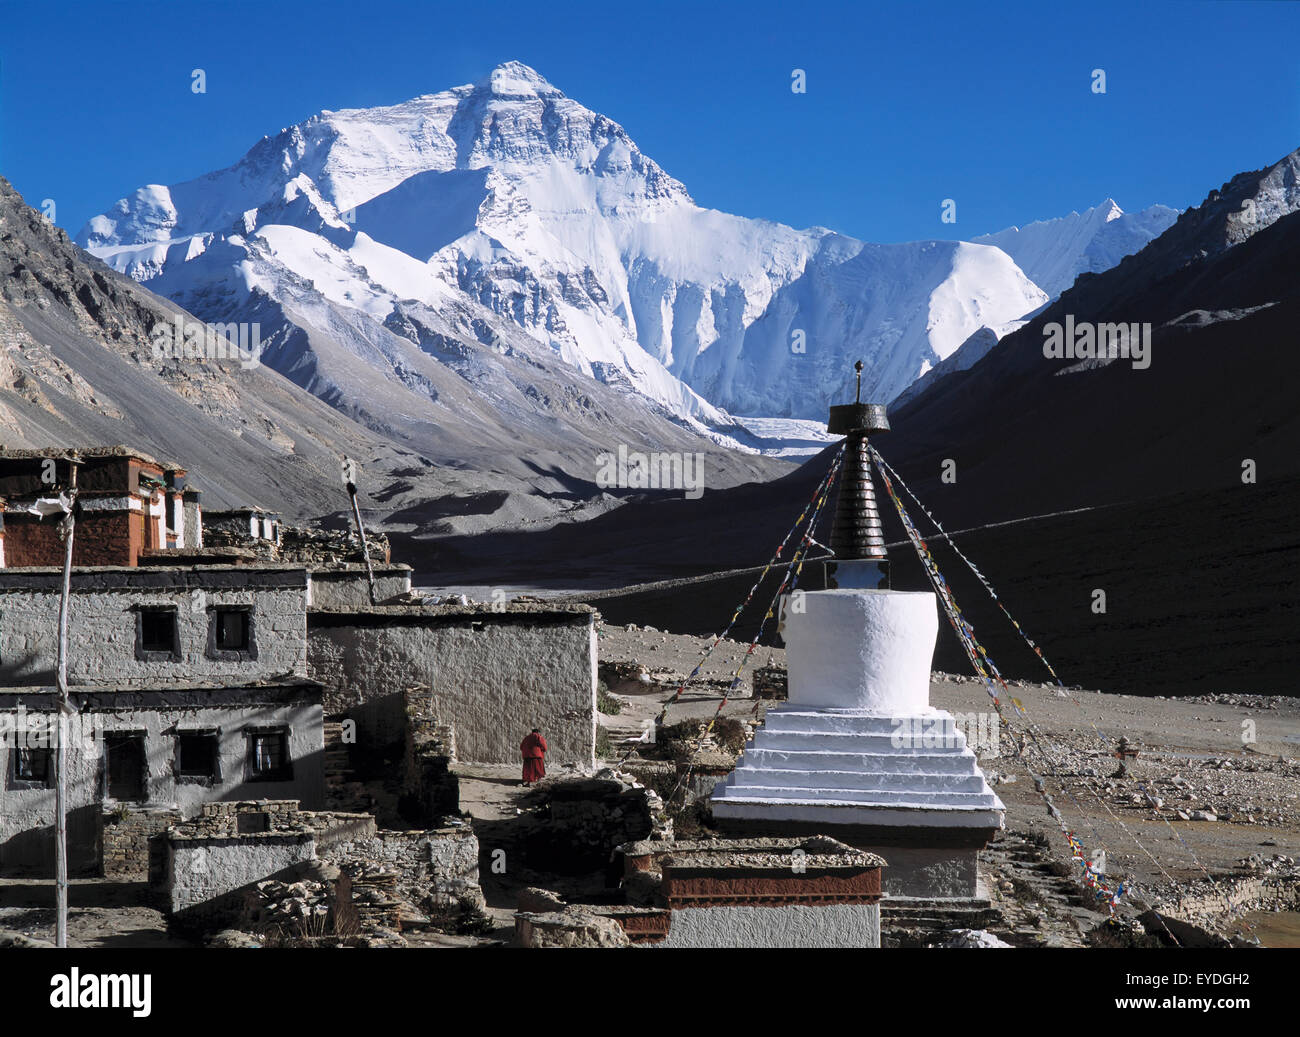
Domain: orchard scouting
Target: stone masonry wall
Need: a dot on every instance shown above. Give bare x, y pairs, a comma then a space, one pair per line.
435, 868
130, 844
430, 789
213, 865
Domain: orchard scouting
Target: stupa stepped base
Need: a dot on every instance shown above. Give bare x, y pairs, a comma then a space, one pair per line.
906, 787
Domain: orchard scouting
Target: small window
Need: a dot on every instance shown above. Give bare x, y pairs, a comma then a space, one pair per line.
268, 756
231, 633
156, 633
33, 767
232, 630
197, 757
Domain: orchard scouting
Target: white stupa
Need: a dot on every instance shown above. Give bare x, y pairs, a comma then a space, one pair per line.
858, 753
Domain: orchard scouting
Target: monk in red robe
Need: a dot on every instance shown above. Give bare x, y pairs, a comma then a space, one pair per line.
533, 748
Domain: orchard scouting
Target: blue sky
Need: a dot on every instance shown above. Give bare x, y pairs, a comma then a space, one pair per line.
906, 104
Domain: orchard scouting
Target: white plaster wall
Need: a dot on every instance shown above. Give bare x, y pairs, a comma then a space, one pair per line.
174, 503
350, 589
787, 925
493, 679
201, 870
860, 649
102, 633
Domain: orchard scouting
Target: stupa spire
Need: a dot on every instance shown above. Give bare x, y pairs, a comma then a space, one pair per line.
857, 537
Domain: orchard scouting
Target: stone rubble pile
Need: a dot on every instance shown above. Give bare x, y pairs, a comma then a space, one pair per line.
301, 907
374, 890
579, 821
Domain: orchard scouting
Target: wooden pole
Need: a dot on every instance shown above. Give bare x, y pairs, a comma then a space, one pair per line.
349, 474
60, 749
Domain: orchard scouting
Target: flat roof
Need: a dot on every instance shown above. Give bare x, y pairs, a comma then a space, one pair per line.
439, 611
287, 681
58, 452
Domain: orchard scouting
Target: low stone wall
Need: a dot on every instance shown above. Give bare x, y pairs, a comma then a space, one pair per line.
435, 869
209, 877
219, 863
132, 844
571, 927
771, 682
1229, 896
215, 860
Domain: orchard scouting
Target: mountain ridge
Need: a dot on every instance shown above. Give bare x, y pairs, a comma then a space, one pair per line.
548, 216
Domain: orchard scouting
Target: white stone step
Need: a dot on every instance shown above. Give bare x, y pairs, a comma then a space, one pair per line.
902, 740
940, 799
830, 779
841, 721
891, 762
840, 812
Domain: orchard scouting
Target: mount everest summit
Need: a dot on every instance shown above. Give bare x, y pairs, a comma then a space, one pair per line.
397, 245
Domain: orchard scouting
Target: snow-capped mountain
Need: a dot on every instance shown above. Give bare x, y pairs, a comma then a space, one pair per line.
504, 207
1055, 252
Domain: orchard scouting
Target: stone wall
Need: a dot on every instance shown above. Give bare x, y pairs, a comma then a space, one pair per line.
494, 675
583, 820
131, 843
771, 682
215, 863
435, 868
327, 546
215, 860
430, 789
103, 624
208, 878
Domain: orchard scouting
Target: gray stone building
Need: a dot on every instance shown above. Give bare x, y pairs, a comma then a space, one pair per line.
188, 685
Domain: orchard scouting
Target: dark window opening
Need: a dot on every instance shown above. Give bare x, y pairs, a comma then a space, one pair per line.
268, 758
124, 767
196, 755
250, 822
232, 633
158, 630
33, 765
232, 630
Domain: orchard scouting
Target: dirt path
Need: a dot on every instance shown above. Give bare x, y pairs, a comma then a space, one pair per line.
101, 913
